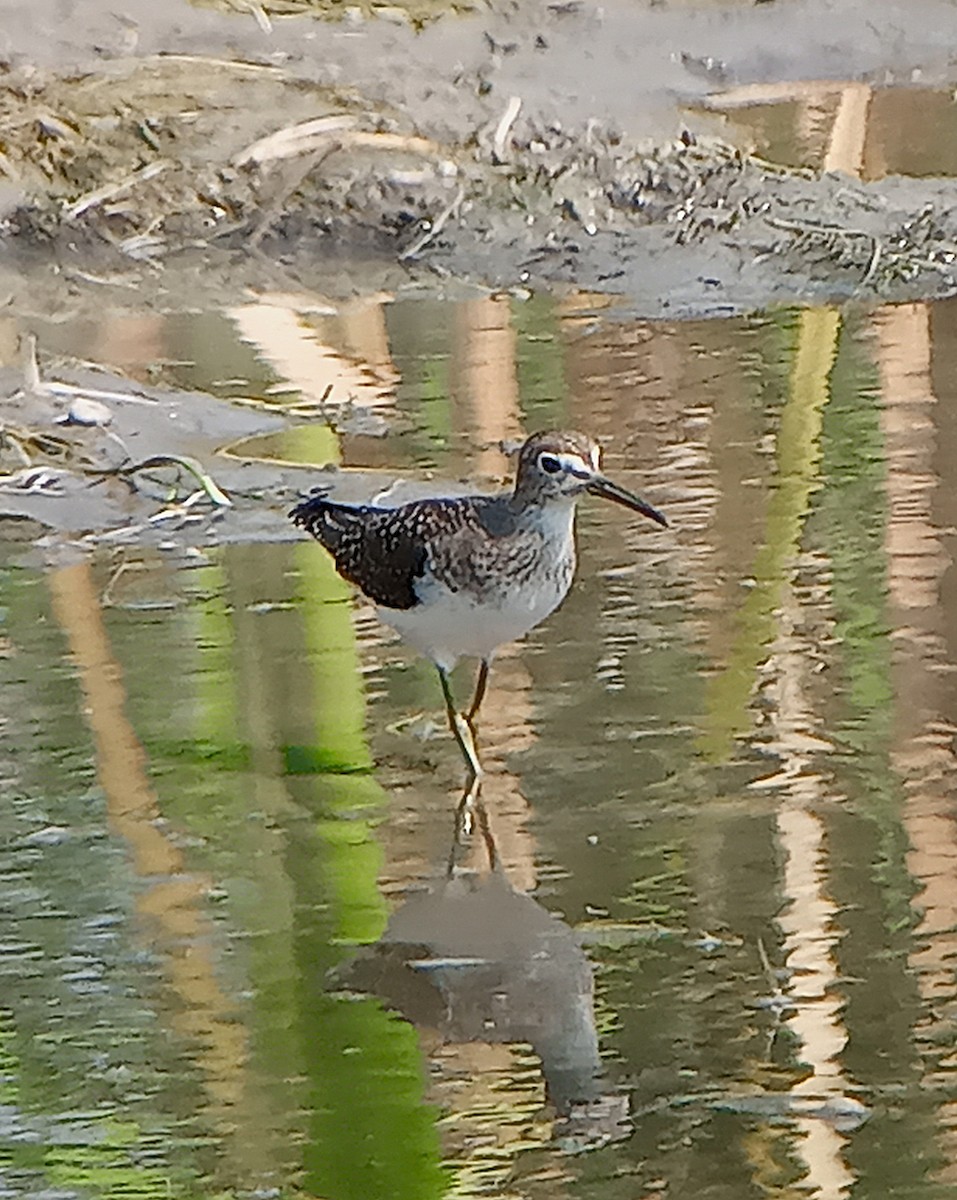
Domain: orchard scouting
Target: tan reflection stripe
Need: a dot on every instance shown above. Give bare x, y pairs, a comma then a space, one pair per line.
179, 931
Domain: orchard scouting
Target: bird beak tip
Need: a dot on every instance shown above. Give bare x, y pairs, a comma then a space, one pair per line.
602, 486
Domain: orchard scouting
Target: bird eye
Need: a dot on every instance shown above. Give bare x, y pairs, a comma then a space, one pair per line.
549, 464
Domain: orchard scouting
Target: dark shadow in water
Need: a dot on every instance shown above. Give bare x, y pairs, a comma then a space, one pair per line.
475, 960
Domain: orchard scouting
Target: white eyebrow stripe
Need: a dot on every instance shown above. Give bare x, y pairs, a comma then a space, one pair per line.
574, 464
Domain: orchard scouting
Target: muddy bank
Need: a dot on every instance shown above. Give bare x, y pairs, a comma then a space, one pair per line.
90, 458
503, 149
177, 158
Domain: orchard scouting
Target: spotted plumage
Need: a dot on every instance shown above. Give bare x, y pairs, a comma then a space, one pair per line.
386, 552
460, 577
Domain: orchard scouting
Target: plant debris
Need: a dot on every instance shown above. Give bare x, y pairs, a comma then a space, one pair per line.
156, 156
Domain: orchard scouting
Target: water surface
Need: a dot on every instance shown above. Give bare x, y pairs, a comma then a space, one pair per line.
710, 924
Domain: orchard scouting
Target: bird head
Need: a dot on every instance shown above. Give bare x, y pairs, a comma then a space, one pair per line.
553, 466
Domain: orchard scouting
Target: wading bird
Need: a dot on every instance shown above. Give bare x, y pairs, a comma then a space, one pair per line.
460, 577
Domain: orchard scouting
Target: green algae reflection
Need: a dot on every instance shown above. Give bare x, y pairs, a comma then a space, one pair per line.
727, 710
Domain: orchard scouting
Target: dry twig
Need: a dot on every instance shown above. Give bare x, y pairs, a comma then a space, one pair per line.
435, 227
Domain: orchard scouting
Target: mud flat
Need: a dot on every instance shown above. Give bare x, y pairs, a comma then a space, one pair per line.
172, 157
512, 148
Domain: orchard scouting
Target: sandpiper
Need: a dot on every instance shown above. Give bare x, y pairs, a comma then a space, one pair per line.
460, 577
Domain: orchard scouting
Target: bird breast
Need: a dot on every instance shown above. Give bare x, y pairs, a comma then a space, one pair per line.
476, 595
537, 554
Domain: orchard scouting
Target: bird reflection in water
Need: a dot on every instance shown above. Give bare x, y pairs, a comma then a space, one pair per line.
473, 960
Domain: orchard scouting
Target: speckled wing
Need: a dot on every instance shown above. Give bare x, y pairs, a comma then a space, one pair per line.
382, 554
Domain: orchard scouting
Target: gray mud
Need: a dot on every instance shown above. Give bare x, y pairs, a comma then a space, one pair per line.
171, 129
168, 156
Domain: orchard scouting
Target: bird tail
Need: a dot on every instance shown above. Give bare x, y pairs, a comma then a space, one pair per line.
326, 520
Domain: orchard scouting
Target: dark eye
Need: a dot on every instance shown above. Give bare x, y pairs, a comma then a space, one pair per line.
549, 464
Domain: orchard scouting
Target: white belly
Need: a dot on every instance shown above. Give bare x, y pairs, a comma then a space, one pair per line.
446, 625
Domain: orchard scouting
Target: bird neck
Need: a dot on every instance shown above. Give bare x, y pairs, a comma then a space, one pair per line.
534, 511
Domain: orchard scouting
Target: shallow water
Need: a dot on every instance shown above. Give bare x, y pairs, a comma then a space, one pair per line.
884, 131
720, 929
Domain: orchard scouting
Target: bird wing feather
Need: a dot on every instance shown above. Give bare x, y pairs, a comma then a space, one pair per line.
381, 555
386, 551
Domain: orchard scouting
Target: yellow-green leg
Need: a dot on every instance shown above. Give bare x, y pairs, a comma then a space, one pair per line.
460, 726
481, 683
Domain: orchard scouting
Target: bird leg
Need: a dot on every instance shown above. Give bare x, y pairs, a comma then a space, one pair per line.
481, 683
461, 729
465, 815
469, 815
